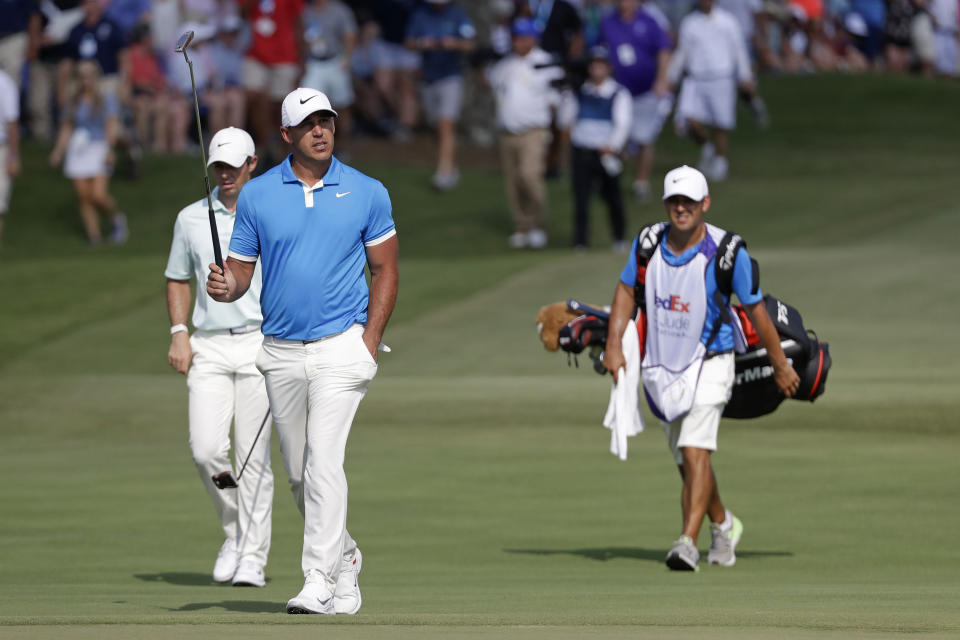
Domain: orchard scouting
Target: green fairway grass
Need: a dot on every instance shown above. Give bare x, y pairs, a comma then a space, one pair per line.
482, 491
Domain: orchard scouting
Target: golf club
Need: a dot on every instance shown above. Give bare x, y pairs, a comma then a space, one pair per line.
224, 479
182, 45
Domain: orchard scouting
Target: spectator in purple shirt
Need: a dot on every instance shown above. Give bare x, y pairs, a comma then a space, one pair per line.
640, 52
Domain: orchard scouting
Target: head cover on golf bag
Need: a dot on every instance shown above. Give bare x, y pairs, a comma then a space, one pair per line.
585, 330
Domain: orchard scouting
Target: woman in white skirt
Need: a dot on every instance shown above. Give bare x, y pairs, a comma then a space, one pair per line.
85, 144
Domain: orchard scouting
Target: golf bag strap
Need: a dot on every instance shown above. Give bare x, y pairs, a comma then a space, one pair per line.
647, 241
726, 260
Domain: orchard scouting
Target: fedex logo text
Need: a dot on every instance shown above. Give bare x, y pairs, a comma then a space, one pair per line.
672, 303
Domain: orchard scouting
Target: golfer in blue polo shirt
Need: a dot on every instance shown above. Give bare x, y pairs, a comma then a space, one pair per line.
315, 223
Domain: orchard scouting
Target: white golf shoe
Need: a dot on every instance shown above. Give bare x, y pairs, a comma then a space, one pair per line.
315, 597
227, 561
249, 574
536, 238
346, 597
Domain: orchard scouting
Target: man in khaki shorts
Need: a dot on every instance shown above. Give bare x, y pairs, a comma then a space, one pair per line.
687, 361
272, 66
219, 362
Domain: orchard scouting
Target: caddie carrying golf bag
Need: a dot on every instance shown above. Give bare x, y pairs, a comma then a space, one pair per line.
754, 391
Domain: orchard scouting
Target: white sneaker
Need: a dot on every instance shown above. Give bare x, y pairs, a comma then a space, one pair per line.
537, 238
315, 597
120, 232
719, 168
641, 191
249, 574
707, 153
227, 561
517, 241
346, 596
446, 181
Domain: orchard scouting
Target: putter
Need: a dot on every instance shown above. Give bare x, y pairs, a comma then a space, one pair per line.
182, 45
224, 479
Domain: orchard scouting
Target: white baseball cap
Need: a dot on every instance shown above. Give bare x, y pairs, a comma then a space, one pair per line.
231, 145
685, 181
300, 103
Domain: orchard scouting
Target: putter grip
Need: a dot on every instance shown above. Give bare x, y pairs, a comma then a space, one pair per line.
217, 255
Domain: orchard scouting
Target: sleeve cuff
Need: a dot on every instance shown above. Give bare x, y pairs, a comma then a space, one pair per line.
241, 258
381, 239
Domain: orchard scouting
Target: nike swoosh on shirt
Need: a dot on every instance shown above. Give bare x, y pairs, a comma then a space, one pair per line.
345, 193
307, 100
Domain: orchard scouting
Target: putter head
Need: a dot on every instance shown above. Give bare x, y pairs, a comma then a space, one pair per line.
224, 480
184, 42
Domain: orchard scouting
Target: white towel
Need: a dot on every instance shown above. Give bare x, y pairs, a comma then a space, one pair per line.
623, 416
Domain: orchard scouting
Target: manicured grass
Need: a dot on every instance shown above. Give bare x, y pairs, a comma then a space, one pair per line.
481, 489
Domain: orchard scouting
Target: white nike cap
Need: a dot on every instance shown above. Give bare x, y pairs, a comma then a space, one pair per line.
231, 145
300, 103
685, 181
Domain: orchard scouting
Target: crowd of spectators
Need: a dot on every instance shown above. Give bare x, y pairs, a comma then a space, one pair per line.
391, 66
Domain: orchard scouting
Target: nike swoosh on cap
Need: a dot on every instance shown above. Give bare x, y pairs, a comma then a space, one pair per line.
302, 101
221, 144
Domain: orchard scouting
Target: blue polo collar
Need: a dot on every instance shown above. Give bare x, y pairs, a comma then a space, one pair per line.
332, 176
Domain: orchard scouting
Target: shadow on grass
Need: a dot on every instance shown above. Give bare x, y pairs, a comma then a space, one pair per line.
177, 577
244, 606
635, 553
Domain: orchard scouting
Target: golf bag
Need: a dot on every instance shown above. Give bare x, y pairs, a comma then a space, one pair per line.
754, 391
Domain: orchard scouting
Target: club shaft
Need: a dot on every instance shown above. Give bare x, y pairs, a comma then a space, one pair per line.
214, 234
253, 445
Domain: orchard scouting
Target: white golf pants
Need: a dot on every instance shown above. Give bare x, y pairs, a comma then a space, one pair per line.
225, 385
315, 389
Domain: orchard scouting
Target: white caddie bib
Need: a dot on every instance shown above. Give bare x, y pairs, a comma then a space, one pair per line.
676, 313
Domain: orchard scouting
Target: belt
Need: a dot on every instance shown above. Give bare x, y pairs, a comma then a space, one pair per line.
236, 331
333, 335
713, 354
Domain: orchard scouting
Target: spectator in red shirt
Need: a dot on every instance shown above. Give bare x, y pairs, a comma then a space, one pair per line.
272, 65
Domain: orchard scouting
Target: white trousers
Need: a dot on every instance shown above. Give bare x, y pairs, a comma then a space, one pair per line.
315, 389
225, 385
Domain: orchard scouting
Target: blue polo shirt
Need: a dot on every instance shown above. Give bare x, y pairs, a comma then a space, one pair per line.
742, 284
311, 243
440, 22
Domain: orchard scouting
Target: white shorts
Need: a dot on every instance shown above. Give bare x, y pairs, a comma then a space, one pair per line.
650, 111
332, 78
4, 180
275, 80
710, 102
390, 55
946, 52
443, 99
699, 427
85, 158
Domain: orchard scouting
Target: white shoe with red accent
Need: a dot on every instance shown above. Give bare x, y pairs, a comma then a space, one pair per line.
346, 598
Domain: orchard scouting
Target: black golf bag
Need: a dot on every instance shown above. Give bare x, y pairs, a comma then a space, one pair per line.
754, 391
